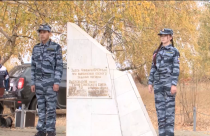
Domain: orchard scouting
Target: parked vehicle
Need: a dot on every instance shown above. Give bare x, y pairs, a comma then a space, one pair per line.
20, 89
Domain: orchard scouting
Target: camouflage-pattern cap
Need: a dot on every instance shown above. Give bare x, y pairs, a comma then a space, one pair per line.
166, 31
45, 27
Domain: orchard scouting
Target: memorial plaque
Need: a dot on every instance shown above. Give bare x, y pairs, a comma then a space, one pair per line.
89, 82
101, 101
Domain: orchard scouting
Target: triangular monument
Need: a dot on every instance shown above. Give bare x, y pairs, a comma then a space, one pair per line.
101, 101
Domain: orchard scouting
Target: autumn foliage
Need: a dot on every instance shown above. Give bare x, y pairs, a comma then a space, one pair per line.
128, 29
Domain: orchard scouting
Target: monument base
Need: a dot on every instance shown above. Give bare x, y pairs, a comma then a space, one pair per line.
100, 103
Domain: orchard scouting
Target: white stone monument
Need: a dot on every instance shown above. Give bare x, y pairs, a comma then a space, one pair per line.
101, 101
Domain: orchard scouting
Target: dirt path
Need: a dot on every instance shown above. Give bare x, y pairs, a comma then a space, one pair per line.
191, 133
27, 131
61, 132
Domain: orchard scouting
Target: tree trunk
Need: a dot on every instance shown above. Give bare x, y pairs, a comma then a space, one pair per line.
11, 44
107, 35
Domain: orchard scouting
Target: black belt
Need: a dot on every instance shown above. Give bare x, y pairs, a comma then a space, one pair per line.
44, 75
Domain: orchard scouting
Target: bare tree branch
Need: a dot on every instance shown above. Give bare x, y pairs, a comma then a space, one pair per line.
118, 50
20, 58
27, 5
25, 36
132, 67
4, 14
58, 33
16, 14
11, 44
107, 34
95, 32
37, 9
5, 34
14, 2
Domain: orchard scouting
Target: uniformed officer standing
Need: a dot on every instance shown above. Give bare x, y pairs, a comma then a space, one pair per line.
164, 76
46, 73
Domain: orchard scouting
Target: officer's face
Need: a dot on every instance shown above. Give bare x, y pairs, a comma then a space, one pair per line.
44, 35
165, 38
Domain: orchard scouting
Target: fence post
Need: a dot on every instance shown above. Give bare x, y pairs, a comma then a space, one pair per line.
194, 118
22, 116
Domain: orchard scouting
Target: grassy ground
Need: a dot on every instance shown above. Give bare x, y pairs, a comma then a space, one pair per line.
187, 97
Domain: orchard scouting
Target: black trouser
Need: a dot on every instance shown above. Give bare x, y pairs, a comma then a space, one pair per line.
1, 112
1, 108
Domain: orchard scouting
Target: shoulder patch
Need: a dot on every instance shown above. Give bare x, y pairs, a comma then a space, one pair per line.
177, 52
37, 45
53, 43
175, 48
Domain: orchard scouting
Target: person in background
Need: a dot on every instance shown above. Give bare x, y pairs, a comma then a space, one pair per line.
4, 80
164, 75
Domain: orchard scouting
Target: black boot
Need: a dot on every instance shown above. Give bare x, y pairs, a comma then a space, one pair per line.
51, 134
40, 133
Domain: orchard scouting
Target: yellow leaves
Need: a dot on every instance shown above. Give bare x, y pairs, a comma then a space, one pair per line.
135, 24
146, 4
147, 19
121, 25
